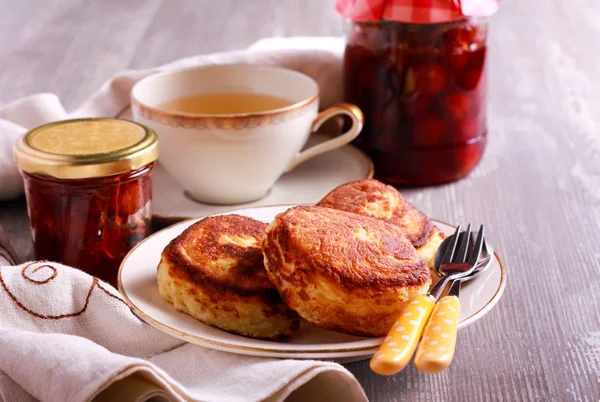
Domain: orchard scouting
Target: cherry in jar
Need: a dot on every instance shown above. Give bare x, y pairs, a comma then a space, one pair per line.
422, 89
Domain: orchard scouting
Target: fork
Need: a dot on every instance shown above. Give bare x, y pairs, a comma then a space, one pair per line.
438, 343
396, 350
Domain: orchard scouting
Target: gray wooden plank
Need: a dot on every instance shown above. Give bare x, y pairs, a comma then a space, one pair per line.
203, 27
75, 47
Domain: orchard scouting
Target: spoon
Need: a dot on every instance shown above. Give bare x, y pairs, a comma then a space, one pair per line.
438, 343
484, 261
458, 260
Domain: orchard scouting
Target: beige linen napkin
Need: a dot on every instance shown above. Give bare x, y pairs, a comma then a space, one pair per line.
66, 336
320, 58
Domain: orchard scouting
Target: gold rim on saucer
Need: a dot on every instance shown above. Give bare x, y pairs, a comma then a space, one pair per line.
227, 346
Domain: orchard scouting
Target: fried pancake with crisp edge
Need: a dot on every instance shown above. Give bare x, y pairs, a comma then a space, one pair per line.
214, 271
371, 197
343, 271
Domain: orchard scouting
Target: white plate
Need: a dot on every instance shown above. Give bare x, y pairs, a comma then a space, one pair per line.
137, 283
306, 184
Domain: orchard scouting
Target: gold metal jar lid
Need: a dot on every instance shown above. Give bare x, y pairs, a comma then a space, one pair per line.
86, 148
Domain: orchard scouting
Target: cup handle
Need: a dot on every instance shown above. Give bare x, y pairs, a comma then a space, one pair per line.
349, 110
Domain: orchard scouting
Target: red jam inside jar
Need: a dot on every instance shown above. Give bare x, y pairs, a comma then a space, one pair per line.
98, 208
89, 224
422, 89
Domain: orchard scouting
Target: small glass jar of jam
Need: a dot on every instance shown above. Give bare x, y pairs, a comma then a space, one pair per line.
422, 89
88, 184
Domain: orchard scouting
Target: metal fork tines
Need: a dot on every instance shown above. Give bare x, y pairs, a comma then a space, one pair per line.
459, 259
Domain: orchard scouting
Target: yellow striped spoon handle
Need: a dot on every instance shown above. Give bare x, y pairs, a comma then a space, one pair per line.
398, 347
437, 346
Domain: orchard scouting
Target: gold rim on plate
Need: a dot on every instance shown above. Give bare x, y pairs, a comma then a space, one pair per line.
203, 341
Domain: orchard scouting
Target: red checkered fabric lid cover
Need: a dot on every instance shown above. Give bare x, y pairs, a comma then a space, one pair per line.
416, 11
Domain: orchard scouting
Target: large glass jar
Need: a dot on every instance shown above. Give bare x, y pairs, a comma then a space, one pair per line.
422, 89
88, 185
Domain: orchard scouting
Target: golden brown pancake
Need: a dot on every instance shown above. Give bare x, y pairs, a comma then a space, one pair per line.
343, 271
214, 271
373, 198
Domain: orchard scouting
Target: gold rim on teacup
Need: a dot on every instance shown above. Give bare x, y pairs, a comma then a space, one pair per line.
224, 121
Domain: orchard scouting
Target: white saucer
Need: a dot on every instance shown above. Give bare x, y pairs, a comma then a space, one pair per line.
137, 284
306, 184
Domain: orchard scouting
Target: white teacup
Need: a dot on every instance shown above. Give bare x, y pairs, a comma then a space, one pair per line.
235, 158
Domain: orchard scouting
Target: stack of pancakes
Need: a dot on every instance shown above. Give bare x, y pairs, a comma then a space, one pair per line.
349, 264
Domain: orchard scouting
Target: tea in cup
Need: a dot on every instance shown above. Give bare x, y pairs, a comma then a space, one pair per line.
228, 132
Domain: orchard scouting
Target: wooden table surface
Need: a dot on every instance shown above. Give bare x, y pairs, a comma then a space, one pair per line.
537, 189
